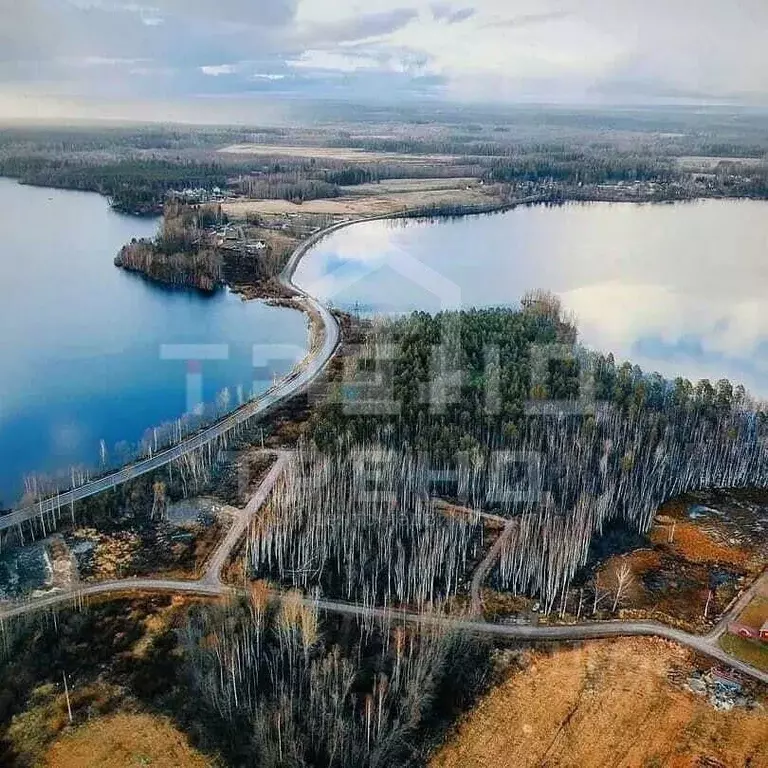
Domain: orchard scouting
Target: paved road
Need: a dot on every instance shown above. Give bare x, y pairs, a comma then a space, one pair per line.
211, 585
297, 381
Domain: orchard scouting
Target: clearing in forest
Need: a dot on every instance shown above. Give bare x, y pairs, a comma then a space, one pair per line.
125, 740
362, 205
605, 703
702, 551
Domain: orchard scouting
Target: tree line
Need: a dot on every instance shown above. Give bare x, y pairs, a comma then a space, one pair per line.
184, 252
288, 689
583, 464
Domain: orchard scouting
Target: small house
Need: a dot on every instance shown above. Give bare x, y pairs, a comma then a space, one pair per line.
764, 632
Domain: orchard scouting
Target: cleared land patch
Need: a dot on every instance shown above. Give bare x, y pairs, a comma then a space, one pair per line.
332, 153
388, 186
606, 703
359, 205
700, 554
125, 740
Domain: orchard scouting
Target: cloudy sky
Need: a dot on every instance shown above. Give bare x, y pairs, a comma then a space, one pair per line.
178, 57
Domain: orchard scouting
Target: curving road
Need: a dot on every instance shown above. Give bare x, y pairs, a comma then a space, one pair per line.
297, 381
210, 585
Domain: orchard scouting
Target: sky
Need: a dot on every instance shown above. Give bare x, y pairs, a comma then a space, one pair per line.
177, 59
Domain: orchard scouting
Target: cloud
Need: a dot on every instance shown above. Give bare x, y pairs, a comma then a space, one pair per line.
489, 50
216, 70
530, 19
445, 12
356, 28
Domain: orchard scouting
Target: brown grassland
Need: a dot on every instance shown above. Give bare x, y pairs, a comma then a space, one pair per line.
347, 154
607, 703
361, 205
123, 741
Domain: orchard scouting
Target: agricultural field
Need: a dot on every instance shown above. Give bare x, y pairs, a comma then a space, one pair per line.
623, 702
373, 202
346, 154
396, 186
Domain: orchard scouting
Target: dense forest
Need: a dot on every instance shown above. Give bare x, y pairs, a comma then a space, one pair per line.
134, 185
466, 406
183, 253
559, 156
292, 690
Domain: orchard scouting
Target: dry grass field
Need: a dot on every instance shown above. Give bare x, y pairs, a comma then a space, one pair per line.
607, 703
124, 741
346, 154
360, 205
394, 186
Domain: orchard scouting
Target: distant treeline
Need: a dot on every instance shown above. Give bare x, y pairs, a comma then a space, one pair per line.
134, 186
580, 167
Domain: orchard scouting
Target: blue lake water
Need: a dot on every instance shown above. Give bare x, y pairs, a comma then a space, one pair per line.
681, 289
89, 352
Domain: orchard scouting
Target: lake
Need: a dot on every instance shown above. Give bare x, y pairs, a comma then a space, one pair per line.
677, 288
89, 352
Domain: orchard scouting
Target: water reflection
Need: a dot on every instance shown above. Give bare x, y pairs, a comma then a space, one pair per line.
675, 288
81, 342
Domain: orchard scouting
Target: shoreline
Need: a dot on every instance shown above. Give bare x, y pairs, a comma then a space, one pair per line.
303, 374
299, 300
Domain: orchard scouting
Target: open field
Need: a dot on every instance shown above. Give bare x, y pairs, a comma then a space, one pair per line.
754, 615
752, 652
695, 560
694, 163
332, 153
122, 741
373, 205
391, 186
608, 703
